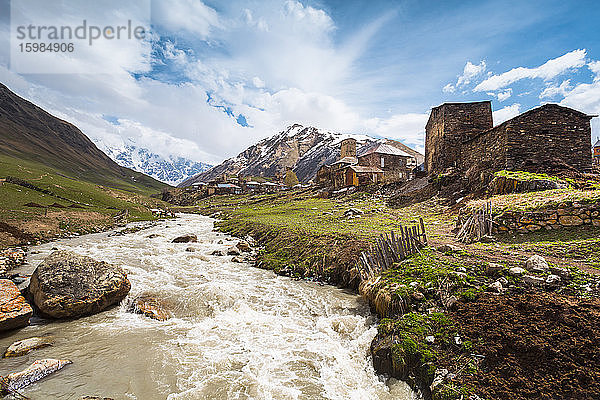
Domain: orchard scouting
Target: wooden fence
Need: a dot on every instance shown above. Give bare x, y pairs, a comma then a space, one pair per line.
479, 224
392, 248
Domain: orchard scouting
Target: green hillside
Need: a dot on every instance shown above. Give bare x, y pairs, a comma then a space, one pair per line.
45, 203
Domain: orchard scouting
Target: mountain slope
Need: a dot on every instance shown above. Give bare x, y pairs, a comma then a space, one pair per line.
172, 170
304, 149
29, 133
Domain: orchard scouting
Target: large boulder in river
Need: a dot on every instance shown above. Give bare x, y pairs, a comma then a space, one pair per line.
14, 310
186, 239
67, 285
244, 246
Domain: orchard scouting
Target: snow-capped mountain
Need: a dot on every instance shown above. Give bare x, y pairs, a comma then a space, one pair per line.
304, 149
172, 170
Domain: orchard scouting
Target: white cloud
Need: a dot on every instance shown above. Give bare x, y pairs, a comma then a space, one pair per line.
309, 15
594, 66
506, 113
449, 88
259, 83
549, 70
280, 65
470, 72
185, 15
504, 95
553, 90
408, 127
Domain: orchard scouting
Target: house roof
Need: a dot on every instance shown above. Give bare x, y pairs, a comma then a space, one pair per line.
597, 143
363, 169
227, 186
384, 148
270, 184
251, 183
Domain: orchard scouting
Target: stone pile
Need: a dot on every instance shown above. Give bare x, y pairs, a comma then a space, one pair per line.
11, 258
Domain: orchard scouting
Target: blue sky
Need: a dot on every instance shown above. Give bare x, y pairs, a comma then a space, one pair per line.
214, 76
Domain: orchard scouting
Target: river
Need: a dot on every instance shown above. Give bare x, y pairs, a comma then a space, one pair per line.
238, 332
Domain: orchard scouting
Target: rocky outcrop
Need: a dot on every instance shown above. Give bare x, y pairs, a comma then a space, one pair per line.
244, 246
36, 371
149, 306
11, 258
14, 310
233, 251
22, 347
536, 264
95, 398
67, 285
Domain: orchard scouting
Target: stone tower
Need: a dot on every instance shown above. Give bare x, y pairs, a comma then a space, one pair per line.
448, 126
348, 148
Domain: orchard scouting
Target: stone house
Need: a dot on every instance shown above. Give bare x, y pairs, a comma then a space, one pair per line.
396, 164
596, 156
223, 188
375, 163
461, 136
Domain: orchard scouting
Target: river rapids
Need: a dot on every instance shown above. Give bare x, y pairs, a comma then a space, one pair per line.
238, 332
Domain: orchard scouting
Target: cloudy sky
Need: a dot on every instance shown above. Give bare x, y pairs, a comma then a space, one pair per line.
213, 77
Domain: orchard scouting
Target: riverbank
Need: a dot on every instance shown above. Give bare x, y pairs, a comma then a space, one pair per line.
438, 303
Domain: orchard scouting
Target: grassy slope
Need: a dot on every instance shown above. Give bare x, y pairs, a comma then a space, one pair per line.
296, 230
99, 203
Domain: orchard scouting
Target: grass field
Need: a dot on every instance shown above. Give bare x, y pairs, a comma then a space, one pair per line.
77, 206
304, 212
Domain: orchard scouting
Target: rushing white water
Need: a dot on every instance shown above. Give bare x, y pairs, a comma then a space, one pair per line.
237, 333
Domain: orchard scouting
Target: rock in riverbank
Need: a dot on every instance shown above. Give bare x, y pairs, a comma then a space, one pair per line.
36, 371
22, 347
14, 310
67, 285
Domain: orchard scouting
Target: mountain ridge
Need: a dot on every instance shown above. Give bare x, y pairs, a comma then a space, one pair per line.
303, 148
171, 170
30, 133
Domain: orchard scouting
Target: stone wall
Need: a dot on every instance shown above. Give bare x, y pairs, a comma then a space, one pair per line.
348, 148
484, 152
531, 221
392, 167
448, 126
549, 138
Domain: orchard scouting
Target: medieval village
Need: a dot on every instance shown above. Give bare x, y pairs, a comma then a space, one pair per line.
460, 139
299, 200
477, 258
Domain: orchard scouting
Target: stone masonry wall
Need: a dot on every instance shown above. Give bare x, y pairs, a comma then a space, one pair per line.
486, 151
448, 126
348, 148
393, 165
531, 221
548, 138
